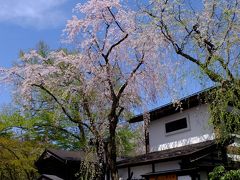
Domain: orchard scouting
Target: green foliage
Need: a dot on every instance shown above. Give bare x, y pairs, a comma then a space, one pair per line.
225, 110
17, 159
125, 141
44, 126
19, 148
129, 140
225, 116
219, 173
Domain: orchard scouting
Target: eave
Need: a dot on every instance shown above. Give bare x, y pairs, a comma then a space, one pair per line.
169, 109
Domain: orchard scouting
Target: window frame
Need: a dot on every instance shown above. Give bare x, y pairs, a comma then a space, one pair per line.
188, 128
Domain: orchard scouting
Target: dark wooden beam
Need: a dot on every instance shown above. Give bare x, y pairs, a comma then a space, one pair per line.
153, 167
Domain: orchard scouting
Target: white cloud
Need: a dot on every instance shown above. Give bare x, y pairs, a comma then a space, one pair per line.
35, 13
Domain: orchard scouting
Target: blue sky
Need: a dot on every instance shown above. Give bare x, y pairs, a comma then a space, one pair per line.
23, 23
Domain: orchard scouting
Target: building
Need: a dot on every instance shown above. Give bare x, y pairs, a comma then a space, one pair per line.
182, 144
59, 164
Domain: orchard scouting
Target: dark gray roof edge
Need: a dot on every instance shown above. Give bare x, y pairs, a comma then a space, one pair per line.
139, 117
64, 159
52, 177
140, 160
55, 155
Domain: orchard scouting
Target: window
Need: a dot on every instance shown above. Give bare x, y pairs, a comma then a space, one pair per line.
177, 125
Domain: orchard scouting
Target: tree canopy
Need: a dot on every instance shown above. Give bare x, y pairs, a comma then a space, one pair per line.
121, 61
206, 33
117, 66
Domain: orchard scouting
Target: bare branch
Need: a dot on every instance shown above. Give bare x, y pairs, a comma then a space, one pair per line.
115, 20
122, 88
61, 106
113, 46
56, 128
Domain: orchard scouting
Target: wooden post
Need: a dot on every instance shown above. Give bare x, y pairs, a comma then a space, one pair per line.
147, 146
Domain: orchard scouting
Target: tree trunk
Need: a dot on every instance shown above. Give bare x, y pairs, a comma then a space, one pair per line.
112, 159
100, 153
82, 135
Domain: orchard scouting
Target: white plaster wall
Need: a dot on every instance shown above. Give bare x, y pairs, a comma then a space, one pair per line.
199, 131
185, 178
164, 166
140, 170
234, 157
123, 173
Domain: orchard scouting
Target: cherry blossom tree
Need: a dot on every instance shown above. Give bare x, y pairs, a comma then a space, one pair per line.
117, 66
205, 33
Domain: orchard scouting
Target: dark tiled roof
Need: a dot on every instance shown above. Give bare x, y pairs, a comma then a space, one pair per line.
192, 151
168, 109
67, 155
